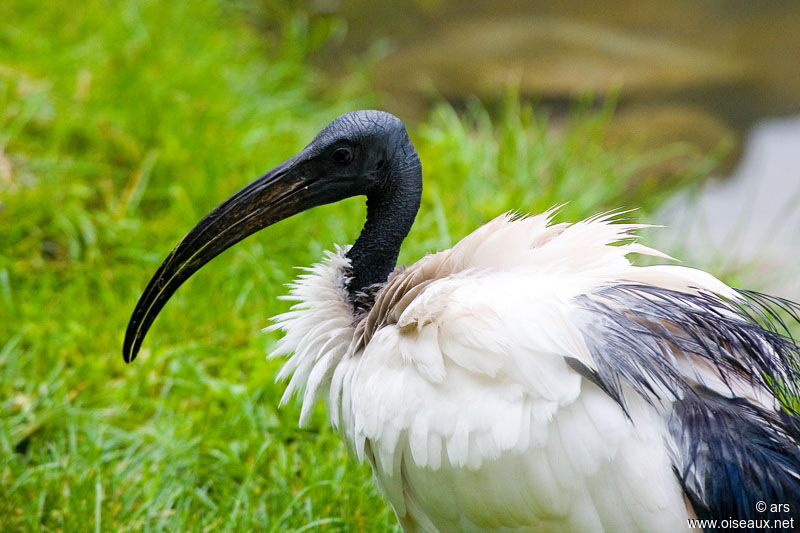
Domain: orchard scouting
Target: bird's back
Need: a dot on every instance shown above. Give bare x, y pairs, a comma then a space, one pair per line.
532, 378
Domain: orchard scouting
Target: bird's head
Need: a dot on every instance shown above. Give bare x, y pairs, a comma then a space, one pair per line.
359, 153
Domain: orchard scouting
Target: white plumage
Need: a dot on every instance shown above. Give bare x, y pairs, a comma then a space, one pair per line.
461, 399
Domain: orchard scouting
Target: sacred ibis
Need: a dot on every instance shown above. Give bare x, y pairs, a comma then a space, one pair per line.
530, 377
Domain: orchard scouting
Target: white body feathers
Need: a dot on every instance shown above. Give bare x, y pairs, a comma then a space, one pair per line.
456, 390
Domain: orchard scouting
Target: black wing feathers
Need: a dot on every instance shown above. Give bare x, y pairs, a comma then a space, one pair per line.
733, 454
729, 451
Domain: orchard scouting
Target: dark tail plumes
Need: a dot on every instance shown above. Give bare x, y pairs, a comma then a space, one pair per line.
732, 454
695, 355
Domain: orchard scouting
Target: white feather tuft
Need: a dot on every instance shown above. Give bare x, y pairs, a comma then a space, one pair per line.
456, 389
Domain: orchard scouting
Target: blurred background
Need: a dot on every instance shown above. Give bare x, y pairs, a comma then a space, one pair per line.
123, 122
721, 75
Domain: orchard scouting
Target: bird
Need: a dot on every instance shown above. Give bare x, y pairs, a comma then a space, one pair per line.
531, 377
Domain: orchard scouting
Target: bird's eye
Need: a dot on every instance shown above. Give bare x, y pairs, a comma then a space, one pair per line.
342, 155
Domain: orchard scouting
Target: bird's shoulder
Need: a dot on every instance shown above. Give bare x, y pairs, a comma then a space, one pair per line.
506, 256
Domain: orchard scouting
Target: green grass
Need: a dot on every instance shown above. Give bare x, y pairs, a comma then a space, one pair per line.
121, 124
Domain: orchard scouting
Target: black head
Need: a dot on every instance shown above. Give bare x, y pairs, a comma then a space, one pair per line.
360, 143
359, 153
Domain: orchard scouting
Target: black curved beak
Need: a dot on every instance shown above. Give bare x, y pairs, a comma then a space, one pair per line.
282, 192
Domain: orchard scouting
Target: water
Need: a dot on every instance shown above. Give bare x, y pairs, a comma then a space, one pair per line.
736, 59
749, 224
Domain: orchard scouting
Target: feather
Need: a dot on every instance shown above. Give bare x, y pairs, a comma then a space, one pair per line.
523, 378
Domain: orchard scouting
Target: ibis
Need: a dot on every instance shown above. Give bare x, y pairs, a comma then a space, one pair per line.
530, 378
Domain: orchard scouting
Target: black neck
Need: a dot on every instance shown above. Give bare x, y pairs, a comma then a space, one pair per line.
390, 213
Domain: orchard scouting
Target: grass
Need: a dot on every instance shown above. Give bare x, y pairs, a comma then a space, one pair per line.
121, 124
